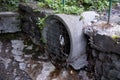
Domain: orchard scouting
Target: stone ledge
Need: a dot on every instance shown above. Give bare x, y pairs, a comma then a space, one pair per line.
8, 14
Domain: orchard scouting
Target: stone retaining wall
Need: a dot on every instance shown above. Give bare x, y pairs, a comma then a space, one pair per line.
105, 46
30, 13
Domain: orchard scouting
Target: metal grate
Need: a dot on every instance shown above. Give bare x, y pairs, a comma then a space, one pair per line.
58, 41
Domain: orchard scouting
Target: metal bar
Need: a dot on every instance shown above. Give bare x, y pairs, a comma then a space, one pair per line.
109, 11
63, 2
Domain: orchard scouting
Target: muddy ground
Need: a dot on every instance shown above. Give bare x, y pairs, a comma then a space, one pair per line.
20, 59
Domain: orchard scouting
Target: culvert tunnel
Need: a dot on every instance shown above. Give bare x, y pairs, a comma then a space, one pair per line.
65, 41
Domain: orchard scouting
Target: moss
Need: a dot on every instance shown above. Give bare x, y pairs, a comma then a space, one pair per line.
115, 37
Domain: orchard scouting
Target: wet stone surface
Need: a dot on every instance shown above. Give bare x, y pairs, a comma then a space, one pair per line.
20, 59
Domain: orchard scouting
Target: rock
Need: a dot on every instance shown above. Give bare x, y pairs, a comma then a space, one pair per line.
18, 58
89, 16
83, 75
17, 44
29, 47
17, 52
94, 53
98, 68
101, 56
7, 50
1, 46
103, 78
27, 56
47, 69
113, 74
105, 37
33, 66
118, 77
22, 66
64, 74
114, 57
5, 61
116, 65
17, 78
106, 68
9, 22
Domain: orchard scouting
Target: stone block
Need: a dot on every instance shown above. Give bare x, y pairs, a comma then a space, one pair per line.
113, 74
9, 22
103, 78
106, 68
99, 68
116, 65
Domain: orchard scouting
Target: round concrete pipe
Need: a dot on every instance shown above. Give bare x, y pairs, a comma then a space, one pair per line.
76, 41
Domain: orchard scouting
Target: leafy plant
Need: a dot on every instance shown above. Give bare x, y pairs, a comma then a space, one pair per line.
68, 8
74, 6
10, 5
41, 23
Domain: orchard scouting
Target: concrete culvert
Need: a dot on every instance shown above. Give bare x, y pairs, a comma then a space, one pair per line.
65, 41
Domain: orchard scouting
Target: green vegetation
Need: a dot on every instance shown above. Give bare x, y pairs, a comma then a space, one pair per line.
41, 23
74, 6
10, 5
68, 7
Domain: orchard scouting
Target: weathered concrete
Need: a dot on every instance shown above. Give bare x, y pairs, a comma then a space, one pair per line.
77, 55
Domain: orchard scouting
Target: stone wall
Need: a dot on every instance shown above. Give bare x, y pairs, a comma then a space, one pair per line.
105, 45
30, 13
107, 65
